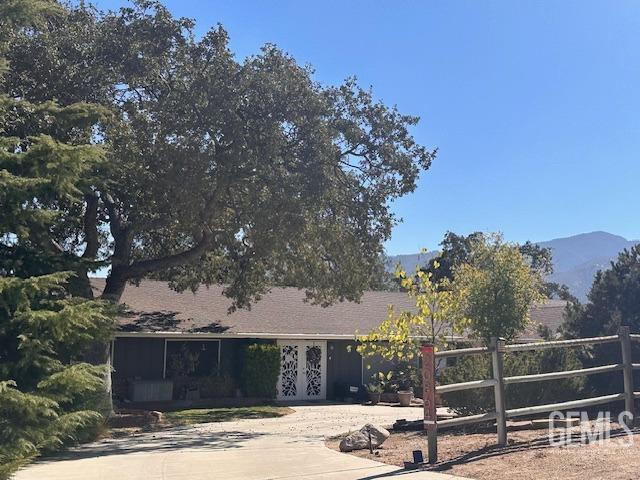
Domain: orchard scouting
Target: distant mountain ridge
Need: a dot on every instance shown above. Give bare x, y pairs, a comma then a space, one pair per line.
576, 259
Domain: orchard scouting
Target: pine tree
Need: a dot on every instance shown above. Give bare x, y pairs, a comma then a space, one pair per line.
47, 394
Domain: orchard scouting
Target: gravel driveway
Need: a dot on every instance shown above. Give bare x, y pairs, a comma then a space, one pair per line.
274, 448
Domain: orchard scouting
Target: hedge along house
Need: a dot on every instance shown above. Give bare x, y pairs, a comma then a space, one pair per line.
317, 344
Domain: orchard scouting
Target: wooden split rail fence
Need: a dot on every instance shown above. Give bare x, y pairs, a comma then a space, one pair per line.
497, 349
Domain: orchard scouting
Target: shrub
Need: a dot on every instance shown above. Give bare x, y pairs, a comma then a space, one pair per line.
478, 367
403, 376
217, 385
260, 370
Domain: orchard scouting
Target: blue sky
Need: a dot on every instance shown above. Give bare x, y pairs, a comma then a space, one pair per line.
534, 105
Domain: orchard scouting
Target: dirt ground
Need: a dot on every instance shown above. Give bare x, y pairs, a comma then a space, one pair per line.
528, 456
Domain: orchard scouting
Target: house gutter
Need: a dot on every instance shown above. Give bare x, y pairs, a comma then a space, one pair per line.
261, 335
274, 336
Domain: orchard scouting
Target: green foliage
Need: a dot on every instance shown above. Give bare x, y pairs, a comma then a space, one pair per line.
260, 370
48, 396
397, 339
290, 182
16, 14
478, 367
376, 385
436, 317
612, 303
217, 385
403, 376
457, 250
43, 329
48, 161
500, 287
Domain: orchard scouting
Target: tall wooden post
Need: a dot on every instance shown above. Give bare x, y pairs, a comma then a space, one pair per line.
627, 370
429, 398
497, 357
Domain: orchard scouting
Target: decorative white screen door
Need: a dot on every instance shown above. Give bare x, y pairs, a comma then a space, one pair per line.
303, 370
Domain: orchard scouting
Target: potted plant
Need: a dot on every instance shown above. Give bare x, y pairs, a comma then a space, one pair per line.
405, 396
375, 389
405, 389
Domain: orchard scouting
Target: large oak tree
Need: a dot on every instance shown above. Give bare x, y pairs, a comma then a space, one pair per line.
246, 173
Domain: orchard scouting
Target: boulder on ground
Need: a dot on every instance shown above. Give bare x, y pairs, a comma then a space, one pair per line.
154, 416
359, 440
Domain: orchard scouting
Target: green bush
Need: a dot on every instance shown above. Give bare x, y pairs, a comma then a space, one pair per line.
478, 367
260, 370
217, 385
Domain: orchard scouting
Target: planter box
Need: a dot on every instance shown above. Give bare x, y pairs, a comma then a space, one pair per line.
389, 397
374, 398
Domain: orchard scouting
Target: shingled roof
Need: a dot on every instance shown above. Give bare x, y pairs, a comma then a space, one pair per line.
154, 308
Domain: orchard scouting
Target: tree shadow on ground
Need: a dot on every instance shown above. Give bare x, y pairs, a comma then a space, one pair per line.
540, 443
161, 441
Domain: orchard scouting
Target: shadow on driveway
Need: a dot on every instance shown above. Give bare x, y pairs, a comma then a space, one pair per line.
161, 441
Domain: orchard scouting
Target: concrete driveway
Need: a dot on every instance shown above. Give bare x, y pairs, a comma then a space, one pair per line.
275, 448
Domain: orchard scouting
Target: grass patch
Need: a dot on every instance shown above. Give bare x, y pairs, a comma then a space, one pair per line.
205, 415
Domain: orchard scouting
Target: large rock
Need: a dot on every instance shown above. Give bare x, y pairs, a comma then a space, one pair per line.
360, 440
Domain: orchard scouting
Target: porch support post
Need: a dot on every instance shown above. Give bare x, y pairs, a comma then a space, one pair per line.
429, 398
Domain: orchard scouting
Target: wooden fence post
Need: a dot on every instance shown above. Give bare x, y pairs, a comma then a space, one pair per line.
429, 399
627, 370
497, 359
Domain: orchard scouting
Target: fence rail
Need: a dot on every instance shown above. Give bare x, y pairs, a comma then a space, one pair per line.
497, 350
462, 351
455, 387
520, 347
564, 374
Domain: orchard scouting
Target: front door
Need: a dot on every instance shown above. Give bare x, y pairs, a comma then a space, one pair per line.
303, 367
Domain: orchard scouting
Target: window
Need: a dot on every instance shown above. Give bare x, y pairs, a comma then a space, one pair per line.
191, 358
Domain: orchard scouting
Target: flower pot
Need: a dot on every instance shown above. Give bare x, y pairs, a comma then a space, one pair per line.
374, 397
404, 397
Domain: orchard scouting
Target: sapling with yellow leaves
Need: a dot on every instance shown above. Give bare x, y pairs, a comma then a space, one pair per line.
437, 319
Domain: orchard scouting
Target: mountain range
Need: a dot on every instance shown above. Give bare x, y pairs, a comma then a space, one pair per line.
576, 259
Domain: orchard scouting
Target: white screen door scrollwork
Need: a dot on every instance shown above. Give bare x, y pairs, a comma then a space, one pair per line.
303, 367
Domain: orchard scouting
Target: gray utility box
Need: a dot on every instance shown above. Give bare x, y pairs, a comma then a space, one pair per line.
150, 390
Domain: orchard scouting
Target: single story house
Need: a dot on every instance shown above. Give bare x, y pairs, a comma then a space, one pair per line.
314, 340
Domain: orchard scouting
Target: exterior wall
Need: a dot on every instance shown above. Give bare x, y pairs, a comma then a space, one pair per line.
140, 358
143, 358
136, 358
344, 367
